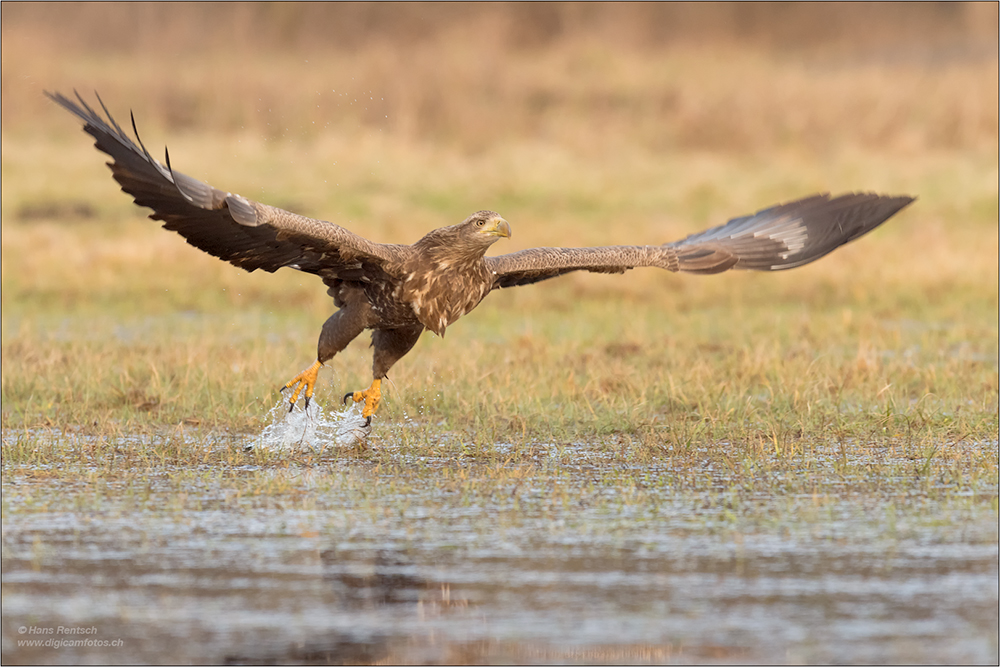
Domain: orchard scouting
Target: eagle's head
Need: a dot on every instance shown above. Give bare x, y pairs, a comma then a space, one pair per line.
477, 233
469, 239
485, 226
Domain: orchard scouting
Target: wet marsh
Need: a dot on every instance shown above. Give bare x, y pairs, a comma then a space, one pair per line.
454, 551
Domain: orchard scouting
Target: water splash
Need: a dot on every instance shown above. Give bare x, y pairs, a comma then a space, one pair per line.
310, 430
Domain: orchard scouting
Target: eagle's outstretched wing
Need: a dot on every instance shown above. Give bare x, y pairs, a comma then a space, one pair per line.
780, 237
231, 227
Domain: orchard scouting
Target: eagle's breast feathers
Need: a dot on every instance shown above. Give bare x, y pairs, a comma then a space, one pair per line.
443, 289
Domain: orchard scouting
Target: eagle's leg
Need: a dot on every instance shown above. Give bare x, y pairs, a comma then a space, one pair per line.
338, 331
371, 396
390, 346
304, 380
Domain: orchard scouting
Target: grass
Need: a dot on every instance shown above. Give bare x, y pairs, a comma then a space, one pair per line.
94, 328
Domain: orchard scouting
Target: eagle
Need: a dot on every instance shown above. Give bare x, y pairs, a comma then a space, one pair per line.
399, 291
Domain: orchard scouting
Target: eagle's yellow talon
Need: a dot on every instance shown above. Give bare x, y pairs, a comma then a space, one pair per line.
371, 396
306, 379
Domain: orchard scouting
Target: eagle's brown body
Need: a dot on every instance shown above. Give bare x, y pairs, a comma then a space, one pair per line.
422, 287
446, 275
398, 291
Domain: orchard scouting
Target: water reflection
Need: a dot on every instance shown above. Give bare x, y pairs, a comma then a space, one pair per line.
387, 577
366, 581
175, 593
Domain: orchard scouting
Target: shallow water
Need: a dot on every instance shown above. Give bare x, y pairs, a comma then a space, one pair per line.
408, 570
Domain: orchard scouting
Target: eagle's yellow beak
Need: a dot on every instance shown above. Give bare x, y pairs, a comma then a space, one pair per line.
499, 227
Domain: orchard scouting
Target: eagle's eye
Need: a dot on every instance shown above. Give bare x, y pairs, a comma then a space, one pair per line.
480, 222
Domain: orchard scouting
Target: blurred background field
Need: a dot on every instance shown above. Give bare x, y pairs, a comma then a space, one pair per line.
582, 124
796, 467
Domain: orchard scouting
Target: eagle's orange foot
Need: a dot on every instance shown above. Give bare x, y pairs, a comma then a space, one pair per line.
371, 396
307, 379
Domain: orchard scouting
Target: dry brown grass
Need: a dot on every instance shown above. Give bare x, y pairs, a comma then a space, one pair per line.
595, 80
